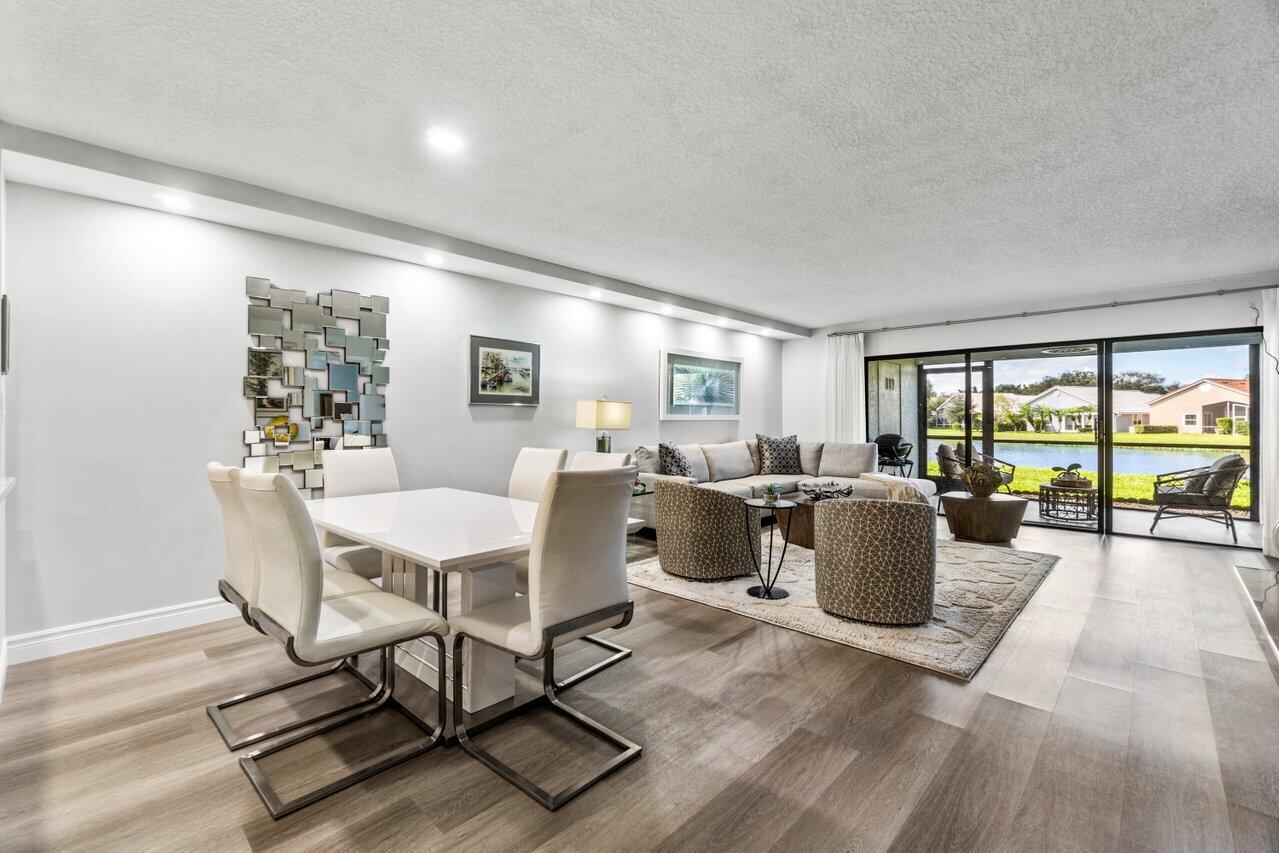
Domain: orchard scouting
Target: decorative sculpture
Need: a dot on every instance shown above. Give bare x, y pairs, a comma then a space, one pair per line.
315, 375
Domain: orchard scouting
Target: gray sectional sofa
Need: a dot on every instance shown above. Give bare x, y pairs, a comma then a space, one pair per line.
733, 467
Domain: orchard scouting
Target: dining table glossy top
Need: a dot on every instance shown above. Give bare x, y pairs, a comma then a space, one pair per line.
441, 528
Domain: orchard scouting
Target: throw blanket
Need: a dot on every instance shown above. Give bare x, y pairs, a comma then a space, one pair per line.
899, 488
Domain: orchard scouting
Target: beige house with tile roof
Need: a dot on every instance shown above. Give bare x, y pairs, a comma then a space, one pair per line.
1195, 407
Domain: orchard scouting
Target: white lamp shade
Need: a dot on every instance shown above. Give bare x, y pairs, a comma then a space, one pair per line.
603, 414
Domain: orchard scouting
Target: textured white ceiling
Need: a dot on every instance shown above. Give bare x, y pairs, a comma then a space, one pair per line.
815, 162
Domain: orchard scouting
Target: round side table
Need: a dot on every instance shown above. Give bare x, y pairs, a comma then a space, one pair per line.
991, 519
765, 569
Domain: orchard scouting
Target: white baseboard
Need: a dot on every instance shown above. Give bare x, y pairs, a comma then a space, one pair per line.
4, 663
100, 632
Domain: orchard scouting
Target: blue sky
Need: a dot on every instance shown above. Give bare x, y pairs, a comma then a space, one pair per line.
1177, 366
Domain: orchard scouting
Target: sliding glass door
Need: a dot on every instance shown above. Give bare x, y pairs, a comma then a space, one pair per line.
1037, 422
1185, 417
1093, 433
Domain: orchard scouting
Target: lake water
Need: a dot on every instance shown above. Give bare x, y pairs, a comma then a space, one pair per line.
1128, 460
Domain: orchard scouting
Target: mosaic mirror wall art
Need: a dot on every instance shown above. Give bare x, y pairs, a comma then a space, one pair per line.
315, 378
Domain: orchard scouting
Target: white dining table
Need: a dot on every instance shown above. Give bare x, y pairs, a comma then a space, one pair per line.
471, 534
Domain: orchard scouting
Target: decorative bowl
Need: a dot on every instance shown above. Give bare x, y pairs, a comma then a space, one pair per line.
981, 480
824, 491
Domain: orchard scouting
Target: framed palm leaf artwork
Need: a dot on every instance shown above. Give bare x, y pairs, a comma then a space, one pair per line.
700, 386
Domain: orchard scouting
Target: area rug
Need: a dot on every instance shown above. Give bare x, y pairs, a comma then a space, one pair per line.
980, 591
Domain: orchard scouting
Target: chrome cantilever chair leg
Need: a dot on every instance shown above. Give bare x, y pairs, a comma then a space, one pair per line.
552, 801
620, 653
217, 710
385, 699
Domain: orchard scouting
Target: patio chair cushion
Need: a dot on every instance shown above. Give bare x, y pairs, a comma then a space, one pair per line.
1195, 483
1223, 474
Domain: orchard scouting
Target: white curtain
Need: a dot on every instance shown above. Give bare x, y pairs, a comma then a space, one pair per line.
1270, 424
846, 388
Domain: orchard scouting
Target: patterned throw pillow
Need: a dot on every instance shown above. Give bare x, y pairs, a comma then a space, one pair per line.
778, 455
674, 462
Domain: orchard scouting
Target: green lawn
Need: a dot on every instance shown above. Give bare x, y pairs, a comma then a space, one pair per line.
1175, 439
1128, 488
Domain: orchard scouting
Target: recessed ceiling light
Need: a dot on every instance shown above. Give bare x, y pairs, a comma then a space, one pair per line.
444, 140
666, 309
174, 202
596, 294
435, 259
766, 332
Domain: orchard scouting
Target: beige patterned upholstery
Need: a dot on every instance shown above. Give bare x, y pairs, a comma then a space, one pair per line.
701, 533
875, 561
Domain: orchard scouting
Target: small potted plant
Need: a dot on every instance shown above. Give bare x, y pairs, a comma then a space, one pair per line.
1070, 477
770, 492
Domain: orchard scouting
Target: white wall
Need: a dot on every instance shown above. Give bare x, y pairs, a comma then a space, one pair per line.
4, 598
803, 360
128, 357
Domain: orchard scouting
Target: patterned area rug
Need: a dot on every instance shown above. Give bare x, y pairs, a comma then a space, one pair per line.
980, 591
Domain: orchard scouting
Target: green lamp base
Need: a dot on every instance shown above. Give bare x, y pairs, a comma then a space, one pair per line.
604, 444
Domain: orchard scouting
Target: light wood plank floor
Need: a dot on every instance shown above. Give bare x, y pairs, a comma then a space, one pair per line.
1133, 705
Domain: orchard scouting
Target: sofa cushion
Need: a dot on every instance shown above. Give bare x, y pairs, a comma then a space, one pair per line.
753, 446
778, 454
647, 459
675, 463
847, 460
810, 457
728, 461
696, 460
787, 482
731, 487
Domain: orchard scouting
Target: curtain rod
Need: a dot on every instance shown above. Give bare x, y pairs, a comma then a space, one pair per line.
1114, 304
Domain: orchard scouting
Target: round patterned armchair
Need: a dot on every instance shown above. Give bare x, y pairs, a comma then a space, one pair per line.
701, 533
875, 561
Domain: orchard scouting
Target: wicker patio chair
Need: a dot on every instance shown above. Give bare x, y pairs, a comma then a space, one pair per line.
1203, 492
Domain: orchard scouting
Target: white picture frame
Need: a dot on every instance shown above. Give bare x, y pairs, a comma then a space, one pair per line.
669, 410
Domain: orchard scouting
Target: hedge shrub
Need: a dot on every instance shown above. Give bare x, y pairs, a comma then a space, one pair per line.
1225, 426
1151, 429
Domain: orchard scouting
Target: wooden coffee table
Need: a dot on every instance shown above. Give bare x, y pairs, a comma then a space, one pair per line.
992, 519
800, 527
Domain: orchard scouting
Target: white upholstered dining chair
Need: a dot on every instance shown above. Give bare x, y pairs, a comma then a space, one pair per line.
369, 471
239, 587
532, 467
590, 460
291, 609
577, 585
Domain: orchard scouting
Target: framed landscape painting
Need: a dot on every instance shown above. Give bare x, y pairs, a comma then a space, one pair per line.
700, 386
505, 373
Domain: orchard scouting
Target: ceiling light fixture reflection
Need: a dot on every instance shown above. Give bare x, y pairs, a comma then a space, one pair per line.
721, 322
666, 309
444, 140
596, 294
435, 259
174, 202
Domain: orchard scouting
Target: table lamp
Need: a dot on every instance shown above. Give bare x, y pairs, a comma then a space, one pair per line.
603, 415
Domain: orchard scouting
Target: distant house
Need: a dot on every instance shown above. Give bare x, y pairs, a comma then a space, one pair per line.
1130, 407
1195, 407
